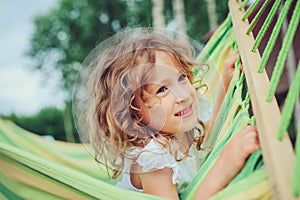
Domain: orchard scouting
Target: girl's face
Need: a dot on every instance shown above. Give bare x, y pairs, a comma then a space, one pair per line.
171, 105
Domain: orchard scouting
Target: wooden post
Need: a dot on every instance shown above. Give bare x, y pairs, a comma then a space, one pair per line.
278, 155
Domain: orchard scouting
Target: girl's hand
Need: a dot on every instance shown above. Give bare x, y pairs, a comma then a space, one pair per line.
235, 153
227, 75
229, 68
230, 162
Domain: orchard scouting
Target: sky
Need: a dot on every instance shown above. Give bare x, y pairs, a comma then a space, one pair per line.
22, 90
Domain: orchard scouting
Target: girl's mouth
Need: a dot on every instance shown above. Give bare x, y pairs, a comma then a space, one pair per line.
186, 112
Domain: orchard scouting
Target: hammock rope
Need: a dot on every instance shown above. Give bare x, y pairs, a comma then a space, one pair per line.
250, 10
294, 90
257, 16
233, 115
286, 44
289, 104
287, 114
266, 25
243, 4
274, 35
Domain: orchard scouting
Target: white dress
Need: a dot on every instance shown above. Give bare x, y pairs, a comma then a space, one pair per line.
154, 156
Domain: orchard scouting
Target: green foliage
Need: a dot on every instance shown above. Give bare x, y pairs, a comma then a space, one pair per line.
64, 37
49, 121
138, 14
168, 11
221, 10
197, 19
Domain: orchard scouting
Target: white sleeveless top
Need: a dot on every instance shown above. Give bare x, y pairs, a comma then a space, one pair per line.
154, 156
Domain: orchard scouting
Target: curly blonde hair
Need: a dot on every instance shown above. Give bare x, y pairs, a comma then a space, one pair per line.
114, 118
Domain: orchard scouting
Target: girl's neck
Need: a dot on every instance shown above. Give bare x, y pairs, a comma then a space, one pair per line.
185, 140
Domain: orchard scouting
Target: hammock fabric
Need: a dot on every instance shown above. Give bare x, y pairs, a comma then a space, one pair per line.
34, 168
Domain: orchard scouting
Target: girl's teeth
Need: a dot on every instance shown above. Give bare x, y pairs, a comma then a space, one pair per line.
183, 112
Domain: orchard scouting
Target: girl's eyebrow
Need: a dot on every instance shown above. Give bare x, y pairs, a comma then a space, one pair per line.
158, 83
152, 87
165, 80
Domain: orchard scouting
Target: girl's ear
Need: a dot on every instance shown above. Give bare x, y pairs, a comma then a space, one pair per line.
147, 105
157, 122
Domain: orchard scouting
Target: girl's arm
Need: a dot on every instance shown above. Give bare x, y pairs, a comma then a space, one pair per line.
226, 78
230, 162
159, 183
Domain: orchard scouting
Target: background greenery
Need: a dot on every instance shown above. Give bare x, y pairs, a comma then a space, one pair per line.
65, 35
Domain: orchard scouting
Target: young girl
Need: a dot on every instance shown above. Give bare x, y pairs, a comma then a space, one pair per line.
147, 120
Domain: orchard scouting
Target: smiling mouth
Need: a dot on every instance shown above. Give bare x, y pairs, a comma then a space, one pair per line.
185, 112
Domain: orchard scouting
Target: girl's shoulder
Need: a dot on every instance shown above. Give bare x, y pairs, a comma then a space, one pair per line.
151, 157
154, 156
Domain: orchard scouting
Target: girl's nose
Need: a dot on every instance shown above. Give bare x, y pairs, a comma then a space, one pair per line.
181, 94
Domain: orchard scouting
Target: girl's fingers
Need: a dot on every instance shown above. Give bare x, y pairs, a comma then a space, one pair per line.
250, 136
231, 59
234, 52
248, 129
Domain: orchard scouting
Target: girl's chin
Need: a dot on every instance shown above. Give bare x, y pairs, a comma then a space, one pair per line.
191, 126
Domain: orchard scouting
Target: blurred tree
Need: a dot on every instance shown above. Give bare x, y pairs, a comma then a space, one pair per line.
64, 37
197, 19
221, 10
48, 121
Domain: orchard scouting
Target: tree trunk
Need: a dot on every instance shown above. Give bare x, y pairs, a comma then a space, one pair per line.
179, 15
158, 13
212, 15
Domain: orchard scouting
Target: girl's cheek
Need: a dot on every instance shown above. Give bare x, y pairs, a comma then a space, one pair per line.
191, 89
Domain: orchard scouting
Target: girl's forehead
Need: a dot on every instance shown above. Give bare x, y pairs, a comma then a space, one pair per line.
164, 73
165, 69
162, 57
166, 62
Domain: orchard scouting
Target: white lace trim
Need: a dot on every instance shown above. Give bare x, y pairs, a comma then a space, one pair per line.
154, 156
204, 108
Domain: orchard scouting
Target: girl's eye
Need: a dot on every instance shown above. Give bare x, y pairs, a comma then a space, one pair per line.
182, 77
162, 90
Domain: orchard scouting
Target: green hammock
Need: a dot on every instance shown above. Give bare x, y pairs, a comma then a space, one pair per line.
34, 168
